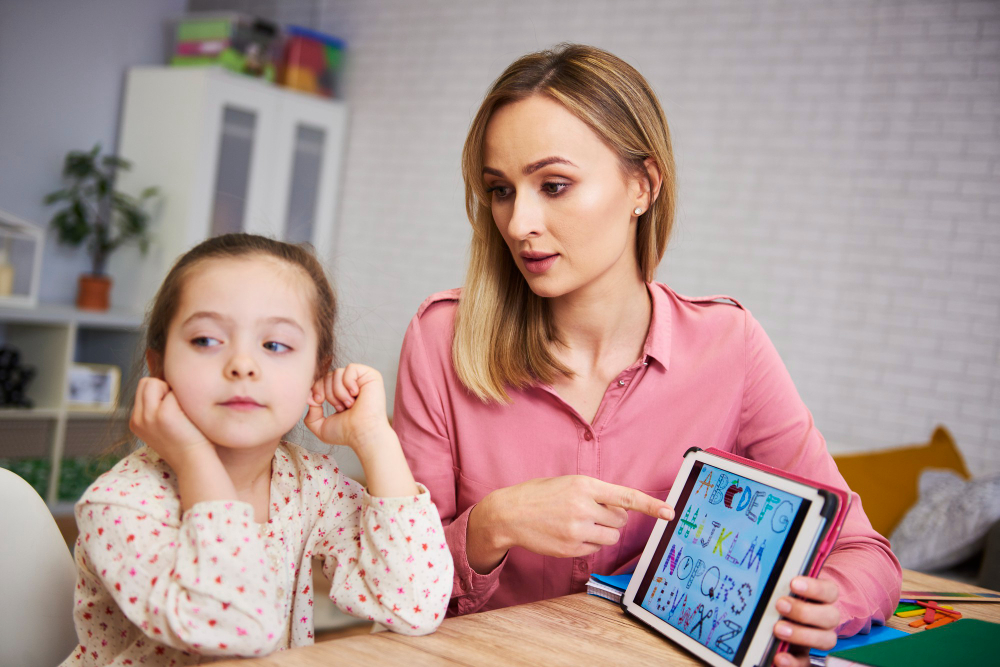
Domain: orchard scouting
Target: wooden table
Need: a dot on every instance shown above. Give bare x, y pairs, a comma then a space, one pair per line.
573, 630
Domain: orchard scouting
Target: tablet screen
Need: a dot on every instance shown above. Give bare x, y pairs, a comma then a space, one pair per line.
720, 556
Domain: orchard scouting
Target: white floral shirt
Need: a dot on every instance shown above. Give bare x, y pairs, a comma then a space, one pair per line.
159, 588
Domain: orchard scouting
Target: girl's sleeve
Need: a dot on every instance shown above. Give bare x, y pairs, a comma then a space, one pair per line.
202, 586
419, 421
386, 558
776, 428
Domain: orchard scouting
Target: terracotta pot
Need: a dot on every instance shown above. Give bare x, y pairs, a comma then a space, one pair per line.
93, 292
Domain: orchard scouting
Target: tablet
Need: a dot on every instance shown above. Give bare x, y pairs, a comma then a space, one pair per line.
709, 579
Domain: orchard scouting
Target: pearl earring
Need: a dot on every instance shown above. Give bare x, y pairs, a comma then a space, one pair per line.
638, 210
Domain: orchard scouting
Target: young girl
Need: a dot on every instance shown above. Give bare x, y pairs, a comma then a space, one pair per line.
199, 544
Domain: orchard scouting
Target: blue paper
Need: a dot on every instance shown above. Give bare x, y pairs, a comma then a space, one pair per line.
879, 633
619, 581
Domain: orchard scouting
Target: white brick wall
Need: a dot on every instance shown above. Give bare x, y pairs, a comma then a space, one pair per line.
839, 174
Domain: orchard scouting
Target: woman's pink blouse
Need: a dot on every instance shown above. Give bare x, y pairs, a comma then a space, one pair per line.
708, 377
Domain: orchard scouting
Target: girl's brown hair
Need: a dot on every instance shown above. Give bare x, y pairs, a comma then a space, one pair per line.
503, 331
232, 246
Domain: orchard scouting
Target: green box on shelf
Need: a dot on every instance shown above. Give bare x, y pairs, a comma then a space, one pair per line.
75, 473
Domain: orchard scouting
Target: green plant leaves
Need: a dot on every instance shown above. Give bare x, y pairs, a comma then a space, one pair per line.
95, 211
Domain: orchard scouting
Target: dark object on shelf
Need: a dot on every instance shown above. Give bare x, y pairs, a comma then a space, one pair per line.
14, 379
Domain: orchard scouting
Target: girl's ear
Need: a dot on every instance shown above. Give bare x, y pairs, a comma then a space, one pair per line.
154, 361
324, 367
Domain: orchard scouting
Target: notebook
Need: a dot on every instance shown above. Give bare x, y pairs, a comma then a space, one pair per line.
879, 633
965, 642
609, 587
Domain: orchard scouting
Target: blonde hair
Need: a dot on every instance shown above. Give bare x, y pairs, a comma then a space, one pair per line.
503, 331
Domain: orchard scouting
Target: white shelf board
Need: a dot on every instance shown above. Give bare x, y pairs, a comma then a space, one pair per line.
57, 314
29, 413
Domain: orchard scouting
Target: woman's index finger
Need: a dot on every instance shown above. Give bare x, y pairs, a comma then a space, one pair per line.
632, 499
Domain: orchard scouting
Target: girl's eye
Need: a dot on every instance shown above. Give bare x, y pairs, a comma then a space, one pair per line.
554, 188
275, 346
205, 341
499, 191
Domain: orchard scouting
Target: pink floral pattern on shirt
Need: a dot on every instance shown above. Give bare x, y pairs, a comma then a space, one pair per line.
159, 588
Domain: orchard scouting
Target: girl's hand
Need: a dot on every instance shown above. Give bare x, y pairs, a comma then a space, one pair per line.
809, 621
158, 420
566, 516
358, 395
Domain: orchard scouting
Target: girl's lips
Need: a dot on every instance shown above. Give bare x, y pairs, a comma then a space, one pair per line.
539, 264
242, 404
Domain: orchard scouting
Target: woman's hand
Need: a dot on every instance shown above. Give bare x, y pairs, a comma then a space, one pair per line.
566, 516
808, 621
158, 420
358, 395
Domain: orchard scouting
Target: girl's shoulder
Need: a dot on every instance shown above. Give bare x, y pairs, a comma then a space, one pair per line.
141, 480
296, 467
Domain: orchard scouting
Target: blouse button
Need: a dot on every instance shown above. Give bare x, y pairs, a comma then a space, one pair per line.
621, 383
587, 436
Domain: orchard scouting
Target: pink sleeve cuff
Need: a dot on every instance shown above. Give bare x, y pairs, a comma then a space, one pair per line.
471, 590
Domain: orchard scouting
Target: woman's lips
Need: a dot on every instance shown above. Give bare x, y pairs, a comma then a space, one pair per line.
539, 263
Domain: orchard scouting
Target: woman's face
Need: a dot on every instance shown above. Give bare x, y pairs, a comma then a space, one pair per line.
560, 198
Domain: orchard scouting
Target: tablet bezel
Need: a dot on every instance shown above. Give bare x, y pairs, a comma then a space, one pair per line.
800, 556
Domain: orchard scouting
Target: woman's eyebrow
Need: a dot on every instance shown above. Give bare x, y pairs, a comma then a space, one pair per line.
544, 162
533, 167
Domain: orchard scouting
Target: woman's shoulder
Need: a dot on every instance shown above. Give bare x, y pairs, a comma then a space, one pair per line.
433, 325
718, 309
439, 308
141, 480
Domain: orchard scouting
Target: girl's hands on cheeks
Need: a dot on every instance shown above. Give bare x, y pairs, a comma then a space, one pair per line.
158, 420
358, 395
808, 621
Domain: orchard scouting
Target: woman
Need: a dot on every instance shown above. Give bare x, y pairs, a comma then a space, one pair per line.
547, 404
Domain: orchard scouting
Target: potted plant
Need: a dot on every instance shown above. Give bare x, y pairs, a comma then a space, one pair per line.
97, 213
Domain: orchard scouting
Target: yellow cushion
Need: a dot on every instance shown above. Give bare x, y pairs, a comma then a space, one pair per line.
886, 479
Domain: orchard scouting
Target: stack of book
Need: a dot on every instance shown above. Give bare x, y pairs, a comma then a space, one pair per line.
608, 587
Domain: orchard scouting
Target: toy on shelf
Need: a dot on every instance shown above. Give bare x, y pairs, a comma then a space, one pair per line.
238, 42
14, 379
312, 62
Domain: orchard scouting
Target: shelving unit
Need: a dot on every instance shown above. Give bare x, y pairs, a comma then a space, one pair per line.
50, 338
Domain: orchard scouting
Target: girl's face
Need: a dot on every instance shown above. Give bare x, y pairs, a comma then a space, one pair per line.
560, 198
241, 350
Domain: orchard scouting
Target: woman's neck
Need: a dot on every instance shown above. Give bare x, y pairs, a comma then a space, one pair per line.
605, 318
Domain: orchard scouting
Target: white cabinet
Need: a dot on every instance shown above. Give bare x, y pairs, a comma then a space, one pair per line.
228, 153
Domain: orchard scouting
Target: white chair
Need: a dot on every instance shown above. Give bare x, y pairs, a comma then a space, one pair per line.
37, 579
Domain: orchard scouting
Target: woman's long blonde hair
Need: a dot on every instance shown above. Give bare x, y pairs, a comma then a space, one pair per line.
503, 331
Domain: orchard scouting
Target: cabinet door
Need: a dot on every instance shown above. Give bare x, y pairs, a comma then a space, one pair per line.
241, 126
308, 151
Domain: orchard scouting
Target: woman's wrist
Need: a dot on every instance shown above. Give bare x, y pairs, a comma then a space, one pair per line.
487, 539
